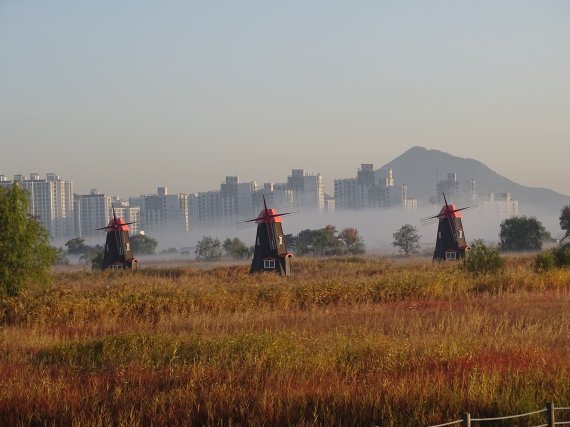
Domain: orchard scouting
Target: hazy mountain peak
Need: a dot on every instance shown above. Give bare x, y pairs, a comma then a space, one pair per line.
421, 168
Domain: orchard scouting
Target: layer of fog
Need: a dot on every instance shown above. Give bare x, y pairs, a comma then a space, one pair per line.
375, 226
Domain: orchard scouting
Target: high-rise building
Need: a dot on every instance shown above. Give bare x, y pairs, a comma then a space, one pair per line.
308, 190
502, 205
371, 189
92, 211
163, 212
51, 202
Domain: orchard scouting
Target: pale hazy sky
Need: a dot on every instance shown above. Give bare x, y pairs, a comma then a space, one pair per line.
128, 95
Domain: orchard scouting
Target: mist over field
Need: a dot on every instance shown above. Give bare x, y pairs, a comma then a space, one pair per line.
375, 226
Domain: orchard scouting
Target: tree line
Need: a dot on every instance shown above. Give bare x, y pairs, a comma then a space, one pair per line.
326, 241
517, 234
26, 255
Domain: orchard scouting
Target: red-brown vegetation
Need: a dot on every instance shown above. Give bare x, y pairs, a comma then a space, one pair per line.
351, 341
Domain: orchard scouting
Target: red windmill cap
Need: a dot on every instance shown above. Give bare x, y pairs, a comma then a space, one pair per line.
268, 216
450, 211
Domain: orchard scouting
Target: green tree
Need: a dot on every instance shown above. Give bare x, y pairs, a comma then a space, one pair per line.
290, 242
565, 221
93, 255
76, 246
61, 257
320, 242
208, 248
407, 239
483, 259
142, 244
25, 253
237, 249
521, 233
352, 240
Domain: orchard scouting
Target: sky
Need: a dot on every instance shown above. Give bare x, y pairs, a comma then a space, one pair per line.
126, 96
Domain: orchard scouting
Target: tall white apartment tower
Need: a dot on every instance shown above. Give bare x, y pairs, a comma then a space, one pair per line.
308, 190
51, 202
164, 212
92, 211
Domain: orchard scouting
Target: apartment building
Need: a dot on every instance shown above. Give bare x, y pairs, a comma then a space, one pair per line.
502, 205
163, 212
308, 190
92, 211
51, 202
371, 189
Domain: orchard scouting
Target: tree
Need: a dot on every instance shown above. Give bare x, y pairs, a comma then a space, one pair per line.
143, 244
407, 239
236, 249
208, 248
25, 253
565, 221
93, 255
521, 233
290, 241
320, 242
76, 246
61, 257
352, 240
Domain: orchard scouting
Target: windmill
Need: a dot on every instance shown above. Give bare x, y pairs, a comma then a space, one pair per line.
450, 243
270, 253
118, 254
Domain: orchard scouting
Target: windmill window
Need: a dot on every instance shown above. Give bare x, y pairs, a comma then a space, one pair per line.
268, 263
280, 240
451, 255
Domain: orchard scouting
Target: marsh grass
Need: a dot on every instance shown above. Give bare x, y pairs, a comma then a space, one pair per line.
349, 341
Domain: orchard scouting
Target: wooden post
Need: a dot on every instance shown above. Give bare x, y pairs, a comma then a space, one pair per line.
550, 414
466, 420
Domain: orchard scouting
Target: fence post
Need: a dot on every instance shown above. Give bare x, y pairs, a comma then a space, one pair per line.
466, 422
550, 414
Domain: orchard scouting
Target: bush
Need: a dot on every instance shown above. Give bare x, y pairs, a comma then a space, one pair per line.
483, 259
561, 256
544, 261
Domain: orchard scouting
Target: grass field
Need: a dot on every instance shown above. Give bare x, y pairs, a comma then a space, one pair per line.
350, 341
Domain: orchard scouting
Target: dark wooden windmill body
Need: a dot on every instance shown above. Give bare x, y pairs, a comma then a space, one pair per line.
450, 241
270, 253
118, 253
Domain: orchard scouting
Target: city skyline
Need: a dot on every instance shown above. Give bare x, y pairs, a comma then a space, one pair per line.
133, 94
328, 189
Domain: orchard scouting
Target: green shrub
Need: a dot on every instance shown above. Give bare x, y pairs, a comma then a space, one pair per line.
483, 259
544, 261
561, 256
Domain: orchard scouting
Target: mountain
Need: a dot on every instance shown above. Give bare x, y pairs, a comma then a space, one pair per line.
420, 169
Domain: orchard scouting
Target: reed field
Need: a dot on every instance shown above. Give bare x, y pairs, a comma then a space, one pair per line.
344, 341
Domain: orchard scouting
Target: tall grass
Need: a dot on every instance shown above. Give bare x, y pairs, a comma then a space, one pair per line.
350, 341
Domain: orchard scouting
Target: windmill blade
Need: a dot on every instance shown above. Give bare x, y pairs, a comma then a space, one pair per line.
429, 221
465, 208
264, 202
249, 220
445, 200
